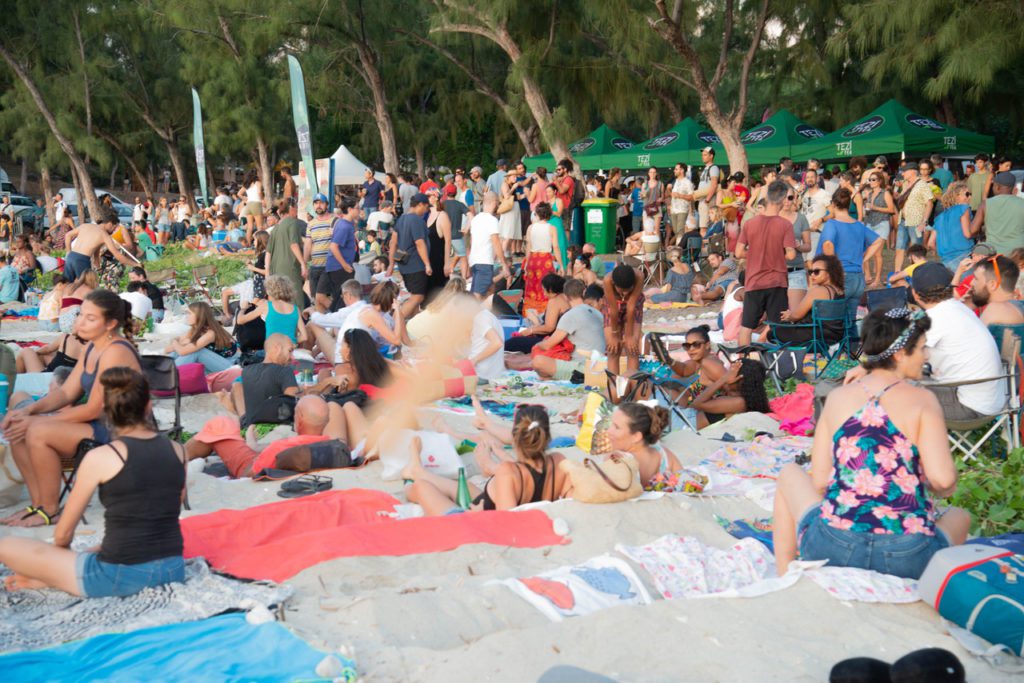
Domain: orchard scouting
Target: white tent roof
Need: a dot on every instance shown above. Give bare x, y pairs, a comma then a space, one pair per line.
348, 170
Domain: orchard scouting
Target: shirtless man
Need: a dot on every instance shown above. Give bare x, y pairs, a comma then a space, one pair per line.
91, 238
993, 290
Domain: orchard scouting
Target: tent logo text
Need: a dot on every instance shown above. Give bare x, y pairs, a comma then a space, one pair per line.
582, 146
622, 143
924, 122
866, 126
758, 134
707, 137
662, 140
809, 132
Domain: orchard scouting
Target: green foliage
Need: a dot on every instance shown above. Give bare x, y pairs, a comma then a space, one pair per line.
991, 490
230, 267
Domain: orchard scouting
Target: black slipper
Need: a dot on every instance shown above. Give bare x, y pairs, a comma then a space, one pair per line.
305, 485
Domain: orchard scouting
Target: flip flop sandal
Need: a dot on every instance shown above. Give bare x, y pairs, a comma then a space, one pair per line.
305, 485
48, 520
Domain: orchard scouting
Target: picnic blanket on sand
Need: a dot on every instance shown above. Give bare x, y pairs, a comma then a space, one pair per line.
222, 648
278, 540
750, 469
41, 618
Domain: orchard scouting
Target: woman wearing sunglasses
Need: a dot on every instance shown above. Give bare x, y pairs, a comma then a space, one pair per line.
879, 208
703, 367
952, 237
825, 277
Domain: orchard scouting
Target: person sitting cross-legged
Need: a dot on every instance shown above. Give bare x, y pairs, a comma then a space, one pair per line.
582, 326
880, 449
262, 387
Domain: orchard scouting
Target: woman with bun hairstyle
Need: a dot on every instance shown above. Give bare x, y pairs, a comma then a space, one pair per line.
636, 428
39, 437
140, 476
532, 477
739, 390
880, 449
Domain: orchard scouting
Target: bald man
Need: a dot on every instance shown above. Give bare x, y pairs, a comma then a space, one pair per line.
319, 442
263, 387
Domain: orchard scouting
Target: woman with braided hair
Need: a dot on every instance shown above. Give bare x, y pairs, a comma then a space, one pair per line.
880, 454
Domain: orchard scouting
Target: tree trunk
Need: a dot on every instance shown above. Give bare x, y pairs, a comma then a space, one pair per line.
541, 112
381, 114
65, 143
78, 194
421, 166
728, 131
23, 186
266, 176
179, 172
44, 179
113, 176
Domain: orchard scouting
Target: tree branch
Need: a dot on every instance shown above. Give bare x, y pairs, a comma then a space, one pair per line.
670, 30
478, 81
551, 32
723, 55
748, 60
225, 29
673, 75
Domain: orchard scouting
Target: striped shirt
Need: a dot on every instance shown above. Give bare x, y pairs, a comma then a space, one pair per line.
320, 230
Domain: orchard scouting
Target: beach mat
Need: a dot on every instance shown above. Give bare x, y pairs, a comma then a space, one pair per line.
41, 618
278, 540
222, 648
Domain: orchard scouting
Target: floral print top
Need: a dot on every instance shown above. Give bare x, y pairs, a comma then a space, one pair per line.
876, 484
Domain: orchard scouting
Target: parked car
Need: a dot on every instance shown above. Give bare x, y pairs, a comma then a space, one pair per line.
124, 210
25, 208
6, 186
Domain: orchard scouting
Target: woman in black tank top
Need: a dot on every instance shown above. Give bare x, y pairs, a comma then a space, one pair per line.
825, 278
532, 477
141, 478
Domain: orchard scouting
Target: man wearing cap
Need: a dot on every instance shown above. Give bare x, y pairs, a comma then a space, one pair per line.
341, 254
284, 247
960, 349
1001, 215
707, 188
963, 277
992, 291
916, 203
408, 249
497, 179
477, 183
316, 245
459, 216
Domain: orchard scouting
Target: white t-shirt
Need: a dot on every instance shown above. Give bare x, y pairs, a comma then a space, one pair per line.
142, 305
137, 212
46, 262
961, 349
374, 220
681, 186
815, 205
58, 211
183, 212
481, 250
493, 366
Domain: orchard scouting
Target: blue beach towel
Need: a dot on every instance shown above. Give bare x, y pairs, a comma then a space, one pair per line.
222, 648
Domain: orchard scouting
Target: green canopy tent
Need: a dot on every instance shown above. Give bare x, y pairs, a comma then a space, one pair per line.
683, 142
588, 152
893, 128
781, 135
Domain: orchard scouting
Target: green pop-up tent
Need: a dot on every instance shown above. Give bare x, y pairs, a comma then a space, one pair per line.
781, 135
588, 152
682, 142
893, 128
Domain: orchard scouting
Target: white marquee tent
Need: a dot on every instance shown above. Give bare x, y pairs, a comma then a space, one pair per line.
348, 170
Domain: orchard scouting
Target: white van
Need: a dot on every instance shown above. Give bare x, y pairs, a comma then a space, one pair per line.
6, 186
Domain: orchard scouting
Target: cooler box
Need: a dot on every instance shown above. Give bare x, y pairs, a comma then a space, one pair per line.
510, 324
980, 588
219, 235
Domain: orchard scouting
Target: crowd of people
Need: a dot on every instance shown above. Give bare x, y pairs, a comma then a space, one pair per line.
401, 287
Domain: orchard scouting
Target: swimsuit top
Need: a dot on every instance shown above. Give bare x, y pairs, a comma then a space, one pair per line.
70, 301
538, 485
877, 485
89, 378
61, 359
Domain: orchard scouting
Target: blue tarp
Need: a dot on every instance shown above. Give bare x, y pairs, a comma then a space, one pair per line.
222, 648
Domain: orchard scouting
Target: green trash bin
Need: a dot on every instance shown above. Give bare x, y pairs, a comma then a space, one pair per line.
599, 223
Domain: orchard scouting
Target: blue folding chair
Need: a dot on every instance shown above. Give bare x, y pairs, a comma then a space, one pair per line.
886, 299
825, 313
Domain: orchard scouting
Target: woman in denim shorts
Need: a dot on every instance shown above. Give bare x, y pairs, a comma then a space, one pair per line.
880, 455
140, 476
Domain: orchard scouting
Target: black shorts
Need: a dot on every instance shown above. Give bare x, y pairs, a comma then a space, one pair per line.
416, 282
315, 274
330, 283
763, 302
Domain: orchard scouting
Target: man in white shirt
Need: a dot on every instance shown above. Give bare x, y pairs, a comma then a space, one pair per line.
59, 207
137, 210
136, 295
707, 188
485, 246
381, 220
682, 195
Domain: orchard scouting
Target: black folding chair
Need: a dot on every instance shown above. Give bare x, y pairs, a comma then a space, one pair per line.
886, 299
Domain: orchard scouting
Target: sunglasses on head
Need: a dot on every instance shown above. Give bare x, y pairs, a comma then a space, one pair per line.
994, 261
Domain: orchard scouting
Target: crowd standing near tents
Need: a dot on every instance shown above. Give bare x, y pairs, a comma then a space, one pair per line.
373, 314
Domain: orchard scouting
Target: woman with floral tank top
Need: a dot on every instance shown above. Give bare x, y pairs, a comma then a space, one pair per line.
880, 455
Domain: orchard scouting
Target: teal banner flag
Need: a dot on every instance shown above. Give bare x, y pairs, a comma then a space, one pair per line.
300, 113
197, 140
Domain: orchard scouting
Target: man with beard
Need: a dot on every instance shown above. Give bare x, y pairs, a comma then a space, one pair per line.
316, 247
992, 290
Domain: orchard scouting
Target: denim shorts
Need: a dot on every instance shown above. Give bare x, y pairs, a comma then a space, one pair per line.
483, 278
797, 279
881, 229
906, 235
99, 579
459, 246
904, 555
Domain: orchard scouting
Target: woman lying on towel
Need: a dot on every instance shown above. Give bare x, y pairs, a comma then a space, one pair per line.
141, 479
533, 477
636, 428
38, 439
879, 448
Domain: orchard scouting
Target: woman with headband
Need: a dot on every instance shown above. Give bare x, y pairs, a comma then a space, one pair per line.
880, 455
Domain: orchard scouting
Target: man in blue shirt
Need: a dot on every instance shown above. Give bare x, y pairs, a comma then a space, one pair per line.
371, 193
637, 205
410, 238
852, 243
496, 179
9, 281
341, 254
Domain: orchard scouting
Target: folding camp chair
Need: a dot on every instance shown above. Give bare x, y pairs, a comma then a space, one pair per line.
692, 248
824, 313
166, 280
961, 432
666, 387
886, 299
204, 283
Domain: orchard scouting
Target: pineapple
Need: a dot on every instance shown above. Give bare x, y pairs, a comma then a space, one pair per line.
601, 444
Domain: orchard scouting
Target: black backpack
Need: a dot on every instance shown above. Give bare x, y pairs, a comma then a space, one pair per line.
579, 193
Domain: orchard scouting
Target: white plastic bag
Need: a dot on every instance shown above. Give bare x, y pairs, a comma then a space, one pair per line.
437, 454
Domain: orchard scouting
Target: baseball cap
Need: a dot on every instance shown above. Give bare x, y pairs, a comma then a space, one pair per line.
983, 249
420, 198
931, 275
502, 162
450, 190
1005, 178
320, 197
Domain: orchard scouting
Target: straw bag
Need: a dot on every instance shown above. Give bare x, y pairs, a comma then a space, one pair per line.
614, 480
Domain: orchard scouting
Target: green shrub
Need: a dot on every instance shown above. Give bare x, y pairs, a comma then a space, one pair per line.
992, 490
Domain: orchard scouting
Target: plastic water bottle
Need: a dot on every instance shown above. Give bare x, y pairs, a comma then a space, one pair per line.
5, 391
462, 498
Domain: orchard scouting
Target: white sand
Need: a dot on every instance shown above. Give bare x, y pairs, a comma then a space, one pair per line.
434, 618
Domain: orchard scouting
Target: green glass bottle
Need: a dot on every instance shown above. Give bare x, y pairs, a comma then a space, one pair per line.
462, 498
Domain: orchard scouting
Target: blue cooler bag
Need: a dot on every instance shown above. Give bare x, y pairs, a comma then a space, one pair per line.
980, 588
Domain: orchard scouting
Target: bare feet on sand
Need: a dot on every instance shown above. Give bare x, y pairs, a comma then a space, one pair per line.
480, 419
414, 468
16, 515
224, 396
17, 582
